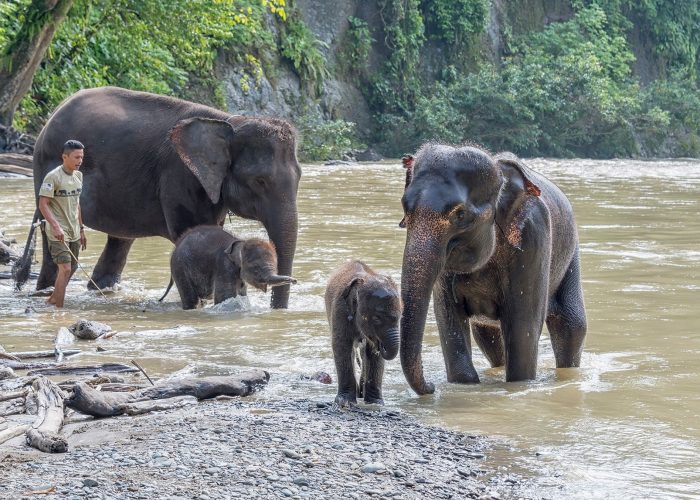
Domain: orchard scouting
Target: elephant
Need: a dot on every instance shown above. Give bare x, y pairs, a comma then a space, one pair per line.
496, 243
208, 261
363, 309
157, 166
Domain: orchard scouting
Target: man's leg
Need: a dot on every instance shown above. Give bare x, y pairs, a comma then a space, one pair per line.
62, 257
59, 289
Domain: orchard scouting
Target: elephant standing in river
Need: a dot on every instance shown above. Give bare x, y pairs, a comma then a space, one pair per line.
496, 244
209, 262
157, 166
363, 310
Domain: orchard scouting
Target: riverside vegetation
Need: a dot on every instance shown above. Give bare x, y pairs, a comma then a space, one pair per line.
568, 89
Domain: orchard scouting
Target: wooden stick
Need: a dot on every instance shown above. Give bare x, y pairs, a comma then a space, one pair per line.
72, 370
42, 354
44, 433
6, 396
142, 371
12, 432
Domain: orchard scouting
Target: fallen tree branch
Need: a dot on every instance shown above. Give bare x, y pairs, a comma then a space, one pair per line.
141, 407
42, 354
8, 434
90, 401
6, 396
82, 370
44, 433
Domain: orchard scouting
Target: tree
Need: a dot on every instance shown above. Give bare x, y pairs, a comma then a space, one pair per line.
23, 54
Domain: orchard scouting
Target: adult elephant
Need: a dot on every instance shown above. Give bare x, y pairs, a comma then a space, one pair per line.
157, 166
496, 244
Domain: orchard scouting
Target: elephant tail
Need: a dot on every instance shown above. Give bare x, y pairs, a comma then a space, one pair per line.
23, 266
167, 290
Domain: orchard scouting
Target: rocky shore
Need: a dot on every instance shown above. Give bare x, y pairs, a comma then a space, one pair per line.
255, 448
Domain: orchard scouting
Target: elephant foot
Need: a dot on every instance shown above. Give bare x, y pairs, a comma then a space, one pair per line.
373, 396
104, 281
463, 376
345, 400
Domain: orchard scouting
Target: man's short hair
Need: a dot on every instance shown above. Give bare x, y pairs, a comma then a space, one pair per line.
71, 146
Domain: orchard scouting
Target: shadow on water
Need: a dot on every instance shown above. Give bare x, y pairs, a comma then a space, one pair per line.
625, 425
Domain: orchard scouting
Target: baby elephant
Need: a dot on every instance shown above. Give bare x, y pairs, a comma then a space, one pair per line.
363, 310
210, 261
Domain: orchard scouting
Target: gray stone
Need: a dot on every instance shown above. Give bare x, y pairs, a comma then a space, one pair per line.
90, 483
373, 468
89, 330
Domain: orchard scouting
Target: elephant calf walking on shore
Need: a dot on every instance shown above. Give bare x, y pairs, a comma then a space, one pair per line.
208, 261
363, 310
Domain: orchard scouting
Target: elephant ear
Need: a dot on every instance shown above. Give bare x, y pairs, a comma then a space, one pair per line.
518, 189
204, 145
516, 173
407, 161
235, 252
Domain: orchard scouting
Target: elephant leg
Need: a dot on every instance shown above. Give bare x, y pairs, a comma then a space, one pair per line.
49, 269
372, 374
223, 291
522, 321
108, 270
453, 326
343, 355
490, 341
566, 320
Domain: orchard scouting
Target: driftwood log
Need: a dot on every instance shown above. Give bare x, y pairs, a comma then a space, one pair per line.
7, 396
44, 433
141, 407
12, 432
82, 370
42, 354
90, 401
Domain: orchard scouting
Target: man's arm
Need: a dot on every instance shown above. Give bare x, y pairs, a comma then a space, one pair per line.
48, 215
83, 238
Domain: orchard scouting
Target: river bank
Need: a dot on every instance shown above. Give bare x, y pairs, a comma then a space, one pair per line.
260, 449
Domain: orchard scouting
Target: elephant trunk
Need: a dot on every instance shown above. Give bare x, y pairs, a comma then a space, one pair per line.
282, 231
423, 260
389, 346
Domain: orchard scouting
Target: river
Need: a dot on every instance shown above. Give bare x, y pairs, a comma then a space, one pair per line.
624, 425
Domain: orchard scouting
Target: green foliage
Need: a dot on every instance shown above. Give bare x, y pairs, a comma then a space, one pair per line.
566, 91
455, 21
326, 140
356, 47
160, 46
302, 48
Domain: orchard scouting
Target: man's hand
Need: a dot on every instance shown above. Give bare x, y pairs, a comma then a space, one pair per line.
57, 232
83, 240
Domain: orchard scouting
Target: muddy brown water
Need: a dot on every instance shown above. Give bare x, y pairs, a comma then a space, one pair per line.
626, 424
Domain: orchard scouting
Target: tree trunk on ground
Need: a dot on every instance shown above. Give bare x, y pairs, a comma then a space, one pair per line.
26, 51
87, 400
44, 432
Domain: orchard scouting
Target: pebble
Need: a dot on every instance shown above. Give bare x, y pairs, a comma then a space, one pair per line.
373, 468
291, 449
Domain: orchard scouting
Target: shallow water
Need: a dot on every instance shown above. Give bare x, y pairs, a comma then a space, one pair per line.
625, 425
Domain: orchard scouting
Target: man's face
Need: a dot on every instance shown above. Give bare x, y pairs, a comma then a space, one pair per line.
73, 159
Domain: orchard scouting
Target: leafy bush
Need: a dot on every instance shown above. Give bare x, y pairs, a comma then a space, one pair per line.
356, 46
455, 21
326, 140
160, 46
302, 48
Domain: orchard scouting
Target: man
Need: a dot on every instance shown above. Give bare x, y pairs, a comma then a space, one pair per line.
59, 203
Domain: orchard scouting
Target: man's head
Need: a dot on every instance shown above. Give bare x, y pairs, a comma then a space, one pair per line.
73, 155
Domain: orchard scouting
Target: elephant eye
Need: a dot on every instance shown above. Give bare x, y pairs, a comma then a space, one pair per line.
260, 181
376, 320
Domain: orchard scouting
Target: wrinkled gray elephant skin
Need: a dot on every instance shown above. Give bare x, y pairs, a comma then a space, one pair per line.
157, 166
496, 245
363, 310
209, 262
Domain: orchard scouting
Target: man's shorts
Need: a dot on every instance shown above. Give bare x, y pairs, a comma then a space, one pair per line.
60, 254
